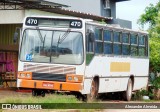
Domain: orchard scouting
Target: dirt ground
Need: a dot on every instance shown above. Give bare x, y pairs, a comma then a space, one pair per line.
8, 92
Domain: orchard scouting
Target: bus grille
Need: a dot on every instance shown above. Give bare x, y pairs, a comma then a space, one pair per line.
49, 77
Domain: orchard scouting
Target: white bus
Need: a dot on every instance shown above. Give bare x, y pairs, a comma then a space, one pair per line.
83, 56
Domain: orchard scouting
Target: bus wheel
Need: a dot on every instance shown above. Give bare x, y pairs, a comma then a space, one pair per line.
34, 93
128, 93
93, 92
42, 93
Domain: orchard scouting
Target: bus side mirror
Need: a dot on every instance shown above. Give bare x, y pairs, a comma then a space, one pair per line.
91, 37
16, 34
15, 38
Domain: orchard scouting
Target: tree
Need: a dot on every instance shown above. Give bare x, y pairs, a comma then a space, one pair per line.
151, 12
152, 16
154, 42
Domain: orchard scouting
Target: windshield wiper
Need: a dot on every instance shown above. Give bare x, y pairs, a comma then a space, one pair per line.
41, 38
40, 35
61, 39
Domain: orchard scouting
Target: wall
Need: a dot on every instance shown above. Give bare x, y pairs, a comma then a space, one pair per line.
113, 9
31, 12
11, 16
108, 12
122, 23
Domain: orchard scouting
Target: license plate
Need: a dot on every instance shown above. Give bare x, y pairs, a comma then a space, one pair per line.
47, 84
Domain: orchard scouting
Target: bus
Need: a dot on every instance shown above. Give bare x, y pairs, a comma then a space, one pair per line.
82, 56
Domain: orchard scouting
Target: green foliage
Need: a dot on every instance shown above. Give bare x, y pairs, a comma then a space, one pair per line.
151, 12
156, 83
154, 43
144, 92
152, 16
139, 94
103, 22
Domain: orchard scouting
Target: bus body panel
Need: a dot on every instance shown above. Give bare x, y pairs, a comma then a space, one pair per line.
116, 79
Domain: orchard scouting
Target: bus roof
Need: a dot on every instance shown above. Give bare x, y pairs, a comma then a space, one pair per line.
92, 22
114, 26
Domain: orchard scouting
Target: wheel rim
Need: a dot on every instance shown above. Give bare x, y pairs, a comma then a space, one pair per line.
42, 93
130, 90
93, 90
34, 93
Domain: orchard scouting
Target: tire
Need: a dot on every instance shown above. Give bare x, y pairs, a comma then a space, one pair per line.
93, 92
128, 92
42, 93
34, 93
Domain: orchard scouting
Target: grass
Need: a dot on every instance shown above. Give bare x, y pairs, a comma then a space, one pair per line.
151, 101
49, 98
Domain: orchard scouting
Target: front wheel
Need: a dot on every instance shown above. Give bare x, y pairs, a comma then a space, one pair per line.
128, 92
93, 91
42, 93
34, 93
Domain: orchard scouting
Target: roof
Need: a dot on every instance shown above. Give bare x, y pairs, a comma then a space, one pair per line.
77, 14
28, 4
44, 5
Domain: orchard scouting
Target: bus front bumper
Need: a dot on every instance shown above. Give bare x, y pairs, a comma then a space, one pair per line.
49, 85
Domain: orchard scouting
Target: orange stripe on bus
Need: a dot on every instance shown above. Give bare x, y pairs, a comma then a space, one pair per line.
120, 67
64, 86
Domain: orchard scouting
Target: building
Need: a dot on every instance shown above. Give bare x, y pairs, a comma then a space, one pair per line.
104, 8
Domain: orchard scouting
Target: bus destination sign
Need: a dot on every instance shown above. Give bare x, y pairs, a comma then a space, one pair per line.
53, 22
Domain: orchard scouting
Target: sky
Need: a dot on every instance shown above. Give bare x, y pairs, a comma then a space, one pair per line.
131, 10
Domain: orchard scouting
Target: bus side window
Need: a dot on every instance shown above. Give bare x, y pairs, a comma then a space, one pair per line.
108, 46
125, 44
146, 44
134, 51
90, 38
98, 41
116, 36
133, 38
141, 48
90, 41
134, 44
117, 46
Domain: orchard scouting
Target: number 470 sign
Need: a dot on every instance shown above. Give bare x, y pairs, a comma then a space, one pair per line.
32, 22
76, 24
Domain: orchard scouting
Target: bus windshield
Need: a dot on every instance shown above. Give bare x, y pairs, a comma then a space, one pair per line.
52, 46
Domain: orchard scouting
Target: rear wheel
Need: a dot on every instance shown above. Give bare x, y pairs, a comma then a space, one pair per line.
93, 91
128, 92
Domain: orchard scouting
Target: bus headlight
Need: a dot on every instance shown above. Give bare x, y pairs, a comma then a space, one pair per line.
69, 78
25, 75
74, 78
28, 75
22, 75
